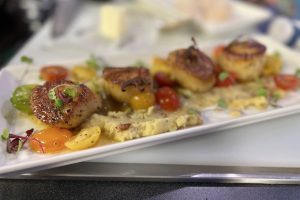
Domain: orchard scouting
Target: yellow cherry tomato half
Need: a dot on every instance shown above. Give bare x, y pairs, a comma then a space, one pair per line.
142, 101
50, 140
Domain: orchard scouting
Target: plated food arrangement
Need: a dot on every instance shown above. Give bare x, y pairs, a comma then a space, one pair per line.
94, 104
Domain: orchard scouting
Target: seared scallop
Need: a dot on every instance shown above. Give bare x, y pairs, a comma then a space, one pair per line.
63, 104
192, 69
123, 83
244, 58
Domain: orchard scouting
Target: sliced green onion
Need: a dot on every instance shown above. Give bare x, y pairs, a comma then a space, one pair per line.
5, 134
58, 103
71, 92
192, 111
222, 103
261, 92
26, 59
223, 75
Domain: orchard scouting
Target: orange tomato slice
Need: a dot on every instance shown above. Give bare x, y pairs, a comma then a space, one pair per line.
50, 140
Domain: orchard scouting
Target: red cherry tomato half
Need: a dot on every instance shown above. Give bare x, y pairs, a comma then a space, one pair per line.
286, 81
163, 79
52, 73
167, 99
225, 79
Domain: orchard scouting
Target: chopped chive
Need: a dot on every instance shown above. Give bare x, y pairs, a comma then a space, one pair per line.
26, 59
192, 111
222, 103
223, 75
5, 134
261, 92
58, 103
71, 92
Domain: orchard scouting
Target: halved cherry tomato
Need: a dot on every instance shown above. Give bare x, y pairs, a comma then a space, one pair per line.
225, 79
218, 50
167, 99
286, 81
163, 79
52, 73
51, 140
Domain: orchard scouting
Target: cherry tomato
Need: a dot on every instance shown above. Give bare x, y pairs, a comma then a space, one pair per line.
225, 79
51, 140
218, 50
163, 79
142, 101
52, 73
167, 99
286, 81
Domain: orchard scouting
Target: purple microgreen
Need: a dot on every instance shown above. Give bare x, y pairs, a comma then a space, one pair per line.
13, 145
20, 145
5, 134
15, 142
29, 132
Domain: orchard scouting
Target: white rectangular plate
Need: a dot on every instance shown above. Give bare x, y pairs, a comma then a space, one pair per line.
26, 161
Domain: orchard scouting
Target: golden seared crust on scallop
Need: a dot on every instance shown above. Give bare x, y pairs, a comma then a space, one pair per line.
244, 58
192, 69
123, 83
72, 112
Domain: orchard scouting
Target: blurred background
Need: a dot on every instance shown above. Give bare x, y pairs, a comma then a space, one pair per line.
74, 28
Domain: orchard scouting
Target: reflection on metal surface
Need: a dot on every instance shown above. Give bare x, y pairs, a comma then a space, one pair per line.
171, 173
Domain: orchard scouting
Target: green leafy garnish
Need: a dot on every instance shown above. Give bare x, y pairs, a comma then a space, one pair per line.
192, 111
222, 103
26, 59
21, 98
52, 95
297, 73
5, 134
94, 63
71, 92
223, 75
58, 103
261, 92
